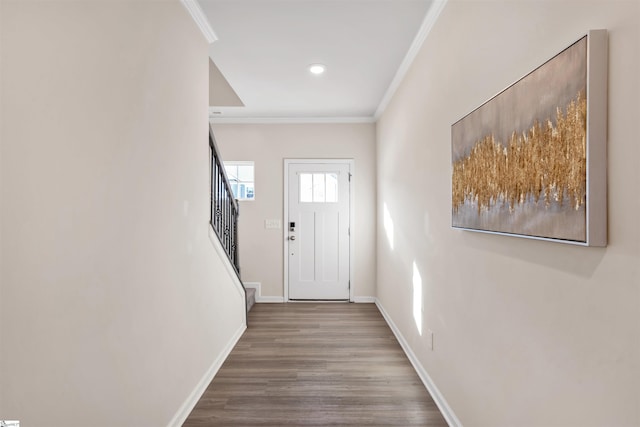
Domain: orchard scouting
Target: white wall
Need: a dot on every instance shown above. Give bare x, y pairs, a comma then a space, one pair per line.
527, 333
261, 250
114, 301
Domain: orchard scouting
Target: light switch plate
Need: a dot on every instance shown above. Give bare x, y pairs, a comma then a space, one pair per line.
272, 224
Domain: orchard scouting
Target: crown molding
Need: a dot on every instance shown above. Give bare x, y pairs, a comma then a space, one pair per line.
196, 12
426, 27
290, 120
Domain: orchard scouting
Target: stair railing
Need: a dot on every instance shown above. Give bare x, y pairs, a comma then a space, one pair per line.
224, 208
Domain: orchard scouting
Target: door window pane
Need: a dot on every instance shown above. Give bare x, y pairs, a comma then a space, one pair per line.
306, 188
318, 187
331, 193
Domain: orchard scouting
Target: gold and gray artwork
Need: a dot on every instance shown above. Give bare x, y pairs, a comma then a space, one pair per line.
519, 161
547, 162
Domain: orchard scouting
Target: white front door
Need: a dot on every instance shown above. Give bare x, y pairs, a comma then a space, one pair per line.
318, 231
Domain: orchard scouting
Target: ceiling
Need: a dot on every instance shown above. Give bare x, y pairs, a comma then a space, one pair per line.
264, 49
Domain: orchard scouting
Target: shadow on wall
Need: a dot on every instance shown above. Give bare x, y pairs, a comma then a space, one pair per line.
582, 262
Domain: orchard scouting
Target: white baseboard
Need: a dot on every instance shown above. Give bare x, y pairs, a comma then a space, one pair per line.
259, 298
367, 300
270, 299
185, 409
442, 404
277, 299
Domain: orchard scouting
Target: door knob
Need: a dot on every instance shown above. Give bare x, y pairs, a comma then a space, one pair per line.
292, 237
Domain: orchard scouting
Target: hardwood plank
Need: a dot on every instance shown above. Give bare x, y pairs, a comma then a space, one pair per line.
316, 365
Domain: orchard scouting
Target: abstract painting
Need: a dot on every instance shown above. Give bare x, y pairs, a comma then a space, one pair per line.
524, 162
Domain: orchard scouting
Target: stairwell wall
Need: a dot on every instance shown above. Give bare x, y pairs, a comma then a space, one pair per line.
114, 303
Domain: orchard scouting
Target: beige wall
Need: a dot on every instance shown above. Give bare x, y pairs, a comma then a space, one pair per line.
527, 333
114, 302
261, 250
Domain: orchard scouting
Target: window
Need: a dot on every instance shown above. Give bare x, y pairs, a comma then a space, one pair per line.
241, 178
318, 187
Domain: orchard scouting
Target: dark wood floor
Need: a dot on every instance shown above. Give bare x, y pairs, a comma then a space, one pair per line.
316, 365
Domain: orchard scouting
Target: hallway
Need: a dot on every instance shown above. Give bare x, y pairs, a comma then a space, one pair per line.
316, 364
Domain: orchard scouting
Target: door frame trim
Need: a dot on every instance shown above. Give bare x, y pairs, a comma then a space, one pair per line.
285, 223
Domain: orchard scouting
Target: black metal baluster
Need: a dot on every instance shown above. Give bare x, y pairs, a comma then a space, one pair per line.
224, 209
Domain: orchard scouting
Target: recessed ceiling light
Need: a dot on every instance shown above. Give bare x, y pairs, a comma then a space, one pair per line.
317, 69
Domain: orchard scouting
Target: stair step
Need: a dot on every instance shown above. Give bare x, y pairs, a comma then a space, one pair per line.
251, 298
